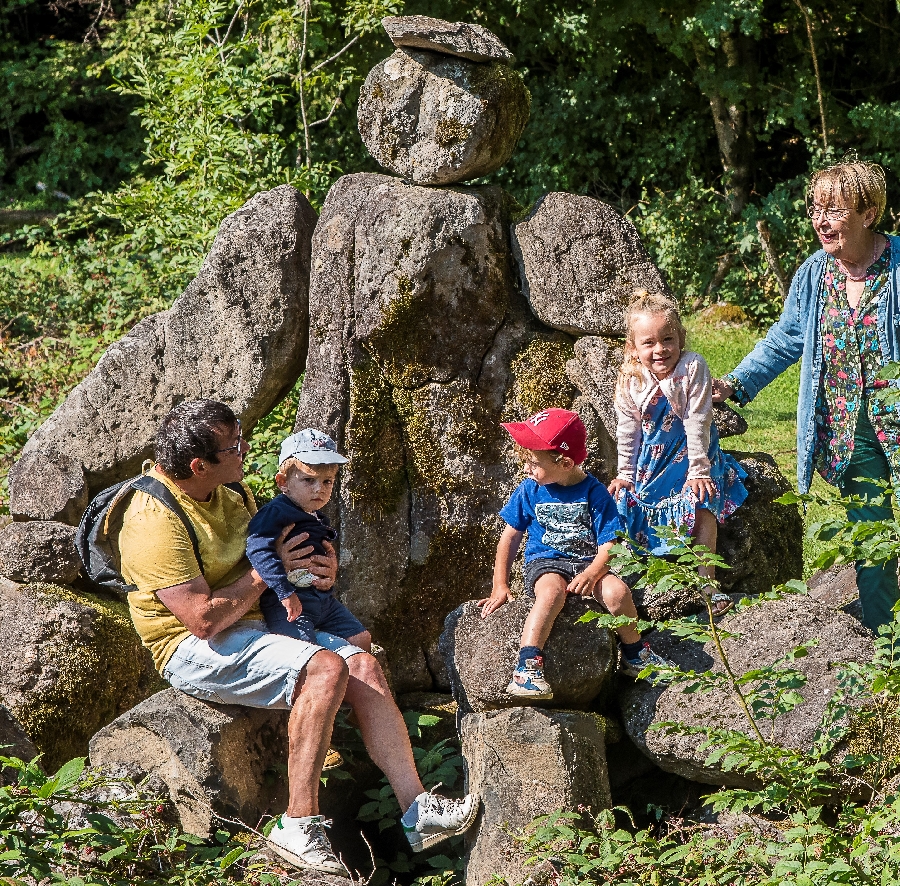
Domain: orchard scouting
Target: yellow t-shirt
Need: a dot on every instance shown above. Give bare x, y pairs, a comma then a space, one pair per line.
156, 553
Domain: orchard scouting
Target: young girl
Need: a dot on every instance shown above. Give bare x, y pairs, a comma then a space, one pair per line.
671, 469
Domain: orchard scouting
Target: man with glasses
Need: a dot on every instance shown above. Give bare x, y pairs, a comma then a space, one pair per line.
203, 626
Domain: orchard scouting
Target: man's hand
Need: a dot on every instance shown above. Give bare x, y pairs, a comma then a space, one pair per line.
619, 484
499, 596
293, 607
702, 487
721, 390
296, 554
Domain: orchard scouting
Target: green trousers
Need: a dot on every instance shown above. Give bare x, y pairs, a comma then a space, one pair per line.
878, 591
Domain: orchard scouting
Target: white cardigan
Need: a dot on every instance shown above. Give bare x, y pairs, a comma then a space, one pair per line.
689, 391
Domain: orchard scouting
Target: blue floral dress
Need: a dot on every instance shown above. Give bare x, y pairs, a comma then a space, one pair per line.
660, 498
851, 361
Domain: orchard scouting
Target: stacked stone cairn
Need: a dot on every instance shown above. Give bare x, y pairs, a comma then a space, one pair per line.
424, 311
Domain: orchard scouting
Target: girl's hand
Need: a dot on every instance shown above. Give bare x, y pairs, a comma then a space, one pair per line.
721, 390
293, 606
585, 582
703, 488
619, 484
498, 597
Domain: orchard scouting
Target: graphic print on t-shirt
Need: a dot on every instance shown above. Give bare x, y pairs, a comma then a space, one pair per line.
567, 527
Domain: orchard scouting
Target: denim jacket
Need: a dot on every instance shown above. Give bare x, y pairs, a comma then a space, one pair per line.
798, 334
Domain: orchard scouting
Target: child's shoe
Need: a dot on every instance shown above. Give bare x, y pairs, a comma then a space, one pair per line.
645, 658
528, 681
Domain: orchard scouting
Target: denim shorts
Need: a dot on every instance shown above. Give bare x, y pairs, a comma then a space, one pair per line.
247, 665
322, 611
568, 569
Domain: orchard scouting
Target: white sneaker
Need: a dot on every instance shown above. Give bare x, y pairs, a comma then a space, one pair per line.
302, 842
433, 818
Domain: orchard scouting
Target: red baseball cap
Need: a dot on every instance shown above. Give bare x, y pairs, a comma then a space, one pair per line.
559, 430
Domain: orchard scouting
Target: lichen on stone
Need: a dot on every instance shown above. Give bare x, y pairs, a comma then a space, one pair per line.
97, 680
450, 131
539, 377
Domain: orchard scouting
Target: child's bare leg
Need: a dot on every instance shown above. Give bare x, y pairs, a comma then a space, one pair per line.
549, 599
706, 531
616, 596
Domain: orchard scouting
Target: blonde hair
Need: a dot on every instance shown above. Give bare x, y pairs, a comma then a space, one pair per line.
523, 453
858, 184
654, 304
293, 464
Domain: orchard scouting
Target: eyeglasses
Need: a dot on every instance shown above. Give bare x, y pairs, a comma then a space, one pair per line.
237, 446
833, 215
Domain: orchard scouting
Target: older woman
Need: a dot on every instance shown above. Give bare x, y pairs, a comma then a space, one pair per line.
842, 316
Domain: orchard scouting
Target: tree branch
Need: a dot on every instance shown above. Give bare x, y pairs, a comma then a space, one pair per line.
334, 107
340, 52
815, 61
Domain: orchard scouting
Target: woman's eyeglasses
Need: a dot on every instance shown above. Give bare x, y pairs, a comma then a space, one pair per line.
833, 215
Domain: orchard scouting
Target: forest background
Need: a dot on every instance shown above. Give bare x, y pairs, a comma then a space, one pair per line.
130, 129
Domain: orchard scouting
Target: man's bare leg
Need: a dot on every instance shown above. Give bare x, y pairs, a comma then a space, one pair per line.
318, 695
382, 726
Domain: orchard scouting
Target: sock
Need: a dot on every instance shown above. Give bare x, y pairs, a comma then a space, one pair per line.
631, 650
411, 816
288, 821
529, 652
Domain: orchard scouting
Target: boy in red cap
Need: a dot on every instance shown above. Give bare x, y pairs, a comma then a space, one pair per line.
571, 521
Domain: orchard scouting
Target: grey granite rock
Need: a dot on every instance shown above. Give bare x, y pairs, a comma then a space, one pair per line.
764, 633
579, 263
39, 550
524, 763
14, 742
480, 654
436, 119
238, 334
61, 493
473, 42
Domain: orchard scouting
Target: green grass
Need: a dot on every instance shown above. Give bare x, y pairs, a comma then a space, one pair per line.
772, 416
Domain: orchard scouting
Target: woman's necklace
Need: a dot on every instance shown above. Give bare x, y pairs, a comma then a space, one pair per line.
843, 268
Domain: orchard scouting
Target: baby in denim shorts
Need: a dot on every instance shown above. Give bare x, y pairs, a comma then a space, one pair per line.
571, 521
307, 470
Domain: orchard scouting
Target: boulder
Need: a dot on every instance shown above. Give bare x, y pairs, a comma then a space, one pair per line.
14, 742
836, 587
238, 334
472, 42
480, 654
761, 541
579, 263
761, 634
420, 346
61, 494
729, 422
213, 758
39, 550
524, 763
437, 119
69, 664
594, 370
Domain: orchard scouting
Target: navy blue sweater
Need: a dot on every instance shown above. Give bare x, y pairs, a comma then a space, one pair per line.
264, 529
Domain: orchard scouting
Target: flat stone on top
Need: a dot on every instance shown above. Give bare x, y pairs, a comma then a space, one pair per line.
469, 41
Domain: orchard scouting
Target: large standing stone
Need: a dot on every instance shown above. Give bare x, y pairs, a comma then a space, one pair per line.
69, 664
420, 347
764, 634
39, 550
524, 763
480, 654
472, 42
213, 758
579, 262
438, 119
238, 334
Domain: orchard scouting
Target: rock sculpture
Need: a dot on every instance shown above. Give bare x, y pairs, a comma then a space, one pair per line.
524, 763
68, 665
765, 633
238, 333
472, 42
437, 119
481, 653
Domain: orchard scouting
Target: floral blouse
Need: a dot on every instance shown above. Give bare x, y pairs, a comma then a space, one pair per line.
852, 360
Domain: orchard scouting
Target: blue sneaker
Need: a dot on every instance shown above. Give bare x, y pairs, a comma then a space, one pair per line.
528, 681
646, 657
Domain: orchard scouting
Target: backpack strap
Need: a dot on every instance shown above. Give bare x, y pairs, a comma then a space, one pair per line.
158, 490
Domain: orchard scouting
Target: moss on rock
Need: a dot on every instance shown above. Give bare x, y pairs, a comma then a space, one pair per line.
87, 677
539, 374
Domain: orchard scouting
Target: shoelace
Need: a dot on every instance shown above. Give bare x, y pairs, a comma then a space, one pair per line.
318, 839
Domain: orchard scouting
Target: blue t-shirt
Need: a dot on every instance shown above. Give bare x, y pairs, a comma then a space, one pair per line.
567, 522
